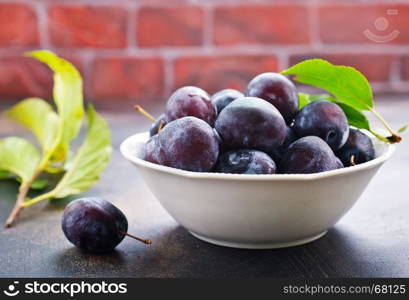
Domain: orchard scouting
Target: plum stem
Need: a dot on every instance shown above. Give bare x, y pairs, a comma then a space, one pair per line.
139, 108
145, 241
161, 125
380, 137
394, 138
352, 160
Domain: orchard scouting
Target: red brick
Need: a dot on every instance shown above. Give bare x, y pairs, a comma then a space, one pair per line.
213, 73
18, 25
88, 26
405, 68
170, 26
347, 23
375, 67
22, 77
128, 78
283, 24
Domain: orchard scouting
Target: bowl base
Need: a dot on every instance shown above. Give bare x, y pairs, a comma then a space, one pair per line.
259, 246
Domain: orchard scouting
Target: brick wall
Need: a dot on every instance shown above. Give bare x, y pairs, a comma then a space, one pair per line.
142, 50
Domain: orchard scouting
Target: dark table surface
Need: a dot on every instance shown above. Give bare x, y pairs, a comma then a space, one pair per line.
372, 240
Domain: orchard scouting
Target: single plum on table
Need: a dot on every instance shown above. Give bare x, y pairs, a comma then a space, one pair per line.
224, 97
94, 225
278, 90
245, 161
307, 155
190, 101
357, 149
251, 123
325, 120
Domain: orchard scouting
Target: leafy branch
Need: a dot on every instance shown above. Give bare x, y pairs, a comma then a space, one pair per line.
54, 132
90, 161
349, 88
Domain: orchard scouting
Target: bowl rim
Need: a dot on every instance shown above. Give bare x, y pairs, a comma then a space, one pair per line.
387, 153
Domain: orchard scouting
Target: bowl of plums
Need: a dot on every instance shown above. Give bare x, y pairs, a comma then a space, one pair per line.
257, 168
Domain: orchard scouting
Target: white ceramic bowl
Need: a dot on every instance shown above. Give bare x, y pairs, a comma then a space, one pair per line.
255, 211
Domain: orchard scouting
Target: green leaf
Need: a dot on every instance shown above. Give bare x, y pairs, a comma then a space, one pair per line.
39, 184
18, 156
5, 174
303, 100
354, 116
90, 160
403, 128
67, 94
39, 117
346, 84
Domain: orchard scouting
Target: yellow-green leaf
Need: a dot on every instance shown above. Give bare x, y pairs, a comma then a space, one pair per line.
90, 160
39, 184
38, 116
67, 94
18, 156
5, 174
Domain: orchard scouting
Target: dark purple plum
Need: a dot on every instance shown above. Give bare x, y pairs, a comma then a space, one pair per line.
245, 161
307, 155
190, 101
278, 90
157, 124
340, 165
277, 154
325, 120
357, 149
224, 97
151, 150
251, 123
187, 143
94, 225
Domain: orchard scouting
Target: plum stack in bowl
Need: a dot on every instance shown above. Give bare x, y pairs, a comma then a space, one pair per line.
259, 132
266, 168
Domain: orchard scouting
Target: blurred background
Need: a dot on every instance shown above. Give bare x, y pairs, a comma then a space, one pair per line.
142, 50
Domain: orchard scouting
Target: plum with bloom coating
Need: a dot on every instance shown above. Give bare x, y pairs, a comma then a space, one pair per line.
190, 101
325, 120
307, 155
94, 225
150, 151
245, 161
278, 90
224, 97
187, 143
277, 154
357, 149
251, 123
